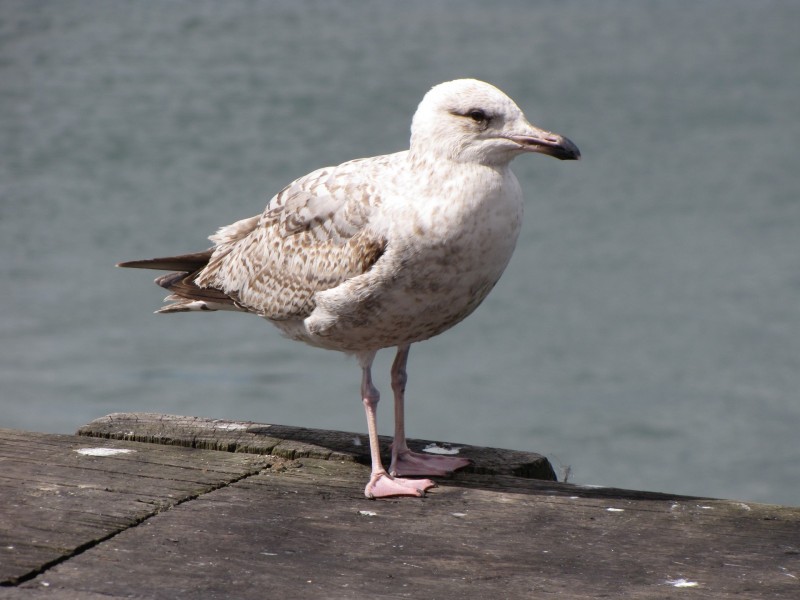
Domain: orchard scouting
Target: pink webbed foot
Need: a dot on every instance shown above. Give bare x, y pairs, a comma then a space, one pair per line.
383, 485
413, 463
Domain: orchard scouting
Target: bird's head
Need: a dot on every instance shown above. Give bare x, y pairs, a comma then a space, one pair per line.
467, 120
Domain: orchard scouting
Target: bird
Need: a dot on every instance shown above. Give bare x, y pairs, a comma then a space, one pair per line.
380, 252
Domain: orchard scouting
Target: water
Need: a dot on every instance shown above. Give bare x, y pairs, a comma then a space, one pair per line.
646, 333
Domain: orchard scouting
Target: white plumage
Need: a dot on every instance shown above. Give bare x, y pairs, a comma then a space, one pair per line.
382, 251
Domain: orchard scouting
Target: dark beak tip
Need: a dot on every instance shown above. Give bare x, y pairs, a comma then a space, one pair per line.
569, 151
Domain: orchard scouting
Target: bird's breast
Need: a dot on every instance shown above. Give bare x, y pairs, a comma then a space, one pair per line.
442, 259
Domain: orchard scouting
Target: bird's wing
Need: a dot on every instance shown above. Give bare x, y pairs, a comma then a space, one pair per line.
314, 235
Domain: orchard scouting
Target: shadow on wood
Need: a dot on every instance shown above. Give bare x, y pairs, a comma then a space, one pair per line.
298, 442
492, 469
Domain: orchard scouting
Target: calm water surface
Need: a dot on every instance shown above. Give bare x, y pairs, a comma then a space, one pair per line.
646, 333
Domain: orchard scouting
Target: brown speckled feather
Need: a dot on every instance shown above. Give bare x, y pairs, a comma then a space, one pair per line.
312, 236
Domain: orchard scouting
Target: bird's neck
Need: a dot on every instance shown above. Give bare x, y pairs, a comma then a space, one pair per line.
439, 176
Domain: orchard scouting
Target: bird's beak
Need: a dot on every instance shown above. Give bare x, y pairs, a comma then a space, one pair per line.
545, 142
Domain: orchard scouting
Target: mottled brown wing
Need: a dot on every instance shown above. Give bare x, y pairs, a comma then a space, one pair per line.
314, 235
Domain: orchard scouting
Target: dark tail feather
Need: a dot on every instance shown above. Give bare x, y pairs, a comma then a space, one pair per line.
171, 280
186, 294
188, 263
183, 285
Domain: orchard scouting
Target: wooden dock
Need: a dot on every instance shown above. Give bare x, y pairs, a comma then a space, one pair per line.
153, 506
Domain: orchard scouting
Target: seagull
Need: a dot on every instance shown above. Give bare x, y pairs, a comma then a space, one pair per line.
380, 252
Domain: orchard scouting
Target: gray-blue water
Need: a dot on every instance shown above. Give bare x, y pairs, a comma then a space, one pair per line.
646, 333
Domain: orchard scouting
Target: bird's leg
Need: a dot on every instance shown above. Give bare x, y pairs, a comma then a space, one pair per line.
381, 484
404, 461
399, 379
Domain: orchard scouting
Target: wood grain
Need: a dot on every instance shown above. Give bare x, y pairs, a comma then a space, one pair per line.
166, 521
296, 442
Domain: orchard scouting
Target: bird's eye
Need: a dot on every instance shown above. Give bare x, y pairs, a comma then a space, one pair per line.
477, 115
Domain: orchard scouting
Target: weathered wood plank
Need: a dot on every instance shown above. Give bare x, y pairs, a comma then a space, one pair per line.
56, 500
297, 442
305, 531
15, 593
172, 522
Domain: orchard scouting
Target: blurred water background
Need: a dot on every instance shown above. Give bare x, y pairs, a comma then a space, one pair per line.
646, 333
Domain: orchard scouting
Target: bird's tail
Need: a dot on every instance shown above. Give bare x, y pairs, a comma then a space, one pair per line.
185, 294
